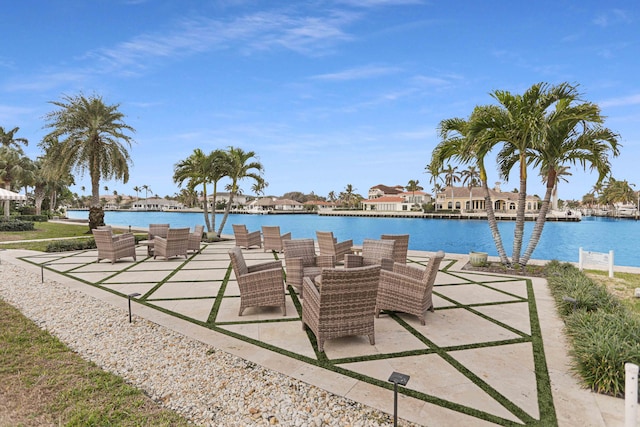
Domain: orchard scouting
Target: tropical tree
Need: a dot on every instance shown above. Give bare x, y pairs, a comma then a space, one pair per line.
137, 190
90, 136
349, 192
571, 134
238, 165
8, 139
561, 173
451, 177
15, 168
460, 144
332, 196
519, 124
470, 178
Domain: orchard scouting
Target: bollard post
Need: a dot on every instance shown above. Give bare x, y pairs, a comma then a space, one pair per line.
630, 394
397, 378
41, 273
135, 294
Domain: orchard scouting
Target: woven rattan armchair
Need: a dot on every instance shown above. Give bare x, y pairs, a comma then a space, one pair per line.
301, 261
401, 248
114, 247
329, 246
176, 244
244, 239
344, 305
195, 238
273, 239
374, 252
261, 285
408, 289
160, 230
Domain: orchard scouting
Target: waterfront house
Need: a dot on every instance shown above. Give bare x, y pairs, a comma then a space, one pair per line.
156, 204
399, 202
471, 199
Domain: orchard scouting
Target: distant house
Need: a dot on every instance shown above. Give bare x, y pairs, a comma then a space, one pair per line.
321, 204
394, 199
266, 204
156, 204
467, 199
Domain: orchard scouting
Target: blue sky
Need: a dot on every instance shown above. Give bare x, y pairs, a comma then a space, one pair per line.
327, 93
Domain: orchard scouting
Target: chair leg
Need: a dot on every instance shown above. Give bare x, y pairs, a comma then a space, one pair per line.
284, 309
372, 339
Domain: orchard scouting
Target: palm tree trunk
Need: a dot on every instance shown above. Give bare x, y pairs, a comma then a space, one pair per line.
213, 209
537, 229
227, 209
518, 233
493, 225
205, 208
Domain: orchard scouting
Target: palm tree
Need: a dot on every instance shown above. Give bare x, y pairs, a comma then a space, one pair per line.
570, 133
348, 194
94, 141
518, 123
332, 196
8, 139
146, 189
451, 176
459, 143
561, 173
238, 166
470, 178
201, 169
14, 168
137, 190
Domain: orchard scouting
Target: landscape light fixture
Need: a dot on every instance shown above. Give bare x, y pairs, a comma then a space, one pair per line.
573, 301
133, 295
397, 378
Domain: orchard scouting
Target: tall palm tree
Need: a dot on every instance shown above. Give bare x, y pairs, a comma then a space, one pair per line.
137, 190
518, 123
332, 196
413, 186
451, 177
92, 138
470, 178
561, 173
459, 143
349, 192
571, 134
15, 168
239, 166
202, 169
9, 140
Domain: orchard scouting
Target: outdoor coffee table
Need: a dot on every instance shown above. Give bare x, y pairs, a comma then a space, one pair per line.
149, 244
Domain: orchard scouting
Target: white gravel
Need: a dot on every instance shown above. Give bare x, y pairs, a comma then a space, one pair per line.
205, 385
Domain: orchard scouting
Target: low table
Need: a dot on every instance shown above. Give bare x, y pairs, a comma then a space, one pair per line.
149, 244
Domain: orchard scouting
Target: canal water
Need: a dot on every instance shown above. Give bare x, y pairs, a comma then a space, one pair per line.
560, 240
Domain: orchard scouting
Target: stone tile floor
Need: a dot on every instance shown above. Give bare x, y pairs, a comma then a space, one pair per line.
491, 354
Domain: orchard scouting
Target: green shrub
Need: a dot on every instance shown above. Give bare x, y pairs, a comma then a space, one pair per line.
71, 245
34, 218
601, 344
16, 225
604, 335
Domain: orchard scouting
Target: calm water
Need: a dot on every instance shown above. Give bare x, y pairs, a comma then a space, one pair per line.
560, 240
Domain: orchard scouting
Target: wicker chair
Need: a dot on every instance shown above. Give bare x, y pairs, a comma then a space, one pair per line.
374, 252
261, 285
176, 244
402, 246
114, 247
329, 246
244, 239
195, 238
301, 261
408, 289
344, 305
273, 239
160, 230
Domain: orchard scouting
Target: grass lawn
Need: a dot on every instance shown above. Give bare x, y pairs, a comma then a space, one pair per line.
622, 285
42, 382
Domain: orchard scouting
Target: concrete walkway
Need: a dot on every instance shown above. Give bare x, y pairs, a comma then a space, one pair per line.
493, 353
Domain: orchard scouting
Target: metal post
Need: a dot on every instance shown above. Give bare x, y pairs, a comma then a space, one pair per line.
397, 378
135, 294
41, 273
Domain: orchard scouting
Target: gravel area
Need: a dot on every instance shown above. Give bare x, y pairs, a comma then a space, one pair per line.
205, 385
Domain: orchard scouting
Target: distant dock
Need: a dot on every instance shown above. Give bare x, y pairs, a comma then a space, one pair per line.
447, 215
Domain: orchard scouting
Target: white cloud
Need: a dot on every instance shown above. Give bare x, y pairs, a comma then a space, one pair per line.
358, 73
622, 101
612, 17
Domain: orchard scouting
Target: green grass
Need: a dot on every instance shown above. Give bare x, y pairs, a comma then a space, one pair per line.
45, 231
43, 382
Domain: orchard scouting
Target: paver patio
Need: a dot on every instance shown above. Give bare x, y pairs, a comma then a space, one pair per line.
492, 353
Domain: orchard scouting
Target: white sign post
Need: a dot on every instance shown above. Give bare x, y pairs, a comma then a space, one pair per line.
599, 259
630, 395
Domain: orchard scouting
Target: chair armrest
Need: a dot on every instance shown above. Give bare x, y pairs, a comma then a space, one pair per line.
123, 243
262, 277
325, 261
286, 236
409, 271
395, 282
310, 292
269, 265
253, 234
160, 242
352, 261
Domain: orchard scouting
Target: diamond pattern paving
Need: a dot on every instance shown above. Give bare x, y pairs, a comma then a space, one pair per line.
478, 360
